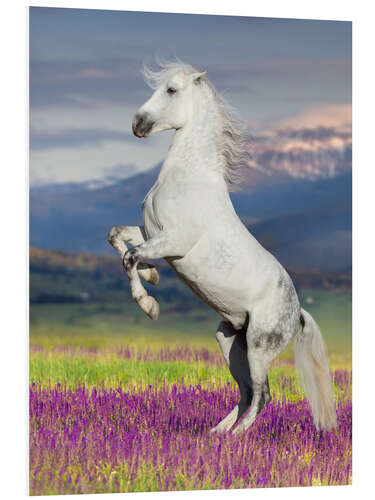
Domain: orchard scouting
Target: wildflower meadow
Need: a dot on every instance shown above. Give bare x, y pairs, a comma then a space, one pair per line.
134, 418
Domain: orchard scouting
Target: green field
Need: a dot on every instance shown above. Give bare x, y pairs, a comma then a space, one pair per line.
98, 325
71, 344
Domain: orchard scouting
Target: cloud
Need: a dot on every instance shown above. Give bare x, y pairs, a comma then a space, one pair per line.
319, 133
74, 138
99, 116
69, 144
326, 116
119, 79
82, 83
80, 119
96, 161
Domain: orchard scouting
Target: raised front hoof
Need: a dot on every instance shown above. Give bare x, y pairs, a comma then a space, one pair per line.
150, 306
111, 236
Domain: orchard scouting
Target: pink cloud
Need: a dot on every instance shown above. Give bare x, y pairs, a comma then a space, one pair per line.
89, 73
326, 116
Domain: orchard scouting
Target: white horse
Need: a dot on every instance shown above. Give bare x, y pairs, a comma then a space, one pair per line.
189, 220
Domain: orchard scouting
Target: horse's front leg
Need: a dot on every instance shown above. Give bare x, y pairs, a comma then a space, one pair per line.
147, 303
159, 246
134, 235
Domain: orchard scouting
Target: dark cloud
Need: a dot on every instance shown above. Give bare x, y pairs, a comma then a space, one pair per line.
81, 83
73, 138
115, 80
119, 80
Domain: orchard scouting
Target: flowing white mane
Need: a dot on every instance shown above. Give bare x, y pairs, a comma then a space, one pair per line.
232, 137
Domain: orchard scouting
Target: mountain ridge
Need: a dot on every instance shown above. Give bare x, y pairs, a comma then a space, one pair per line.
77, 219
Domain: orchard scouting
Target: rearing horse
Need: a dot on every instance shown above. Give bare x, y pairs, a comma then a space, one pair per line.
189, 220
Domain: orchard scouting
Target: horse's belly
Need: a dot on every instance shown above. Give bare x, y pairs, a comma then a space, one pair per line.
221, 297
210, 279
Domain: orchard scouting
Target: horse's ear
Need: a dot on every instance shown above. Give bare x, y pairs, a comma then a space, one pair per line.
197, 77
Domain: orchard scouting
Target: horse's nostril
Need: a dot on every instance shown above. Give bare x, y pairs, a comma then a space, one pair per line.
137, 123
142, 124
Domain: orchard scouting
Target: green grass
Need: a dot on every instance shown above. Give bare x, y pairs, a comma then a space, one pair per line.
113, 371
106, 369
104, 325
333, 312
99, 325
107, 328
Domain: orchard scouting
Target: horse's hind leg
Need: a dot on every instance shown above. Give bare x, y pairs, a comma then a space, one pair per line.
233, 345
262, 348
260, 393
117, 237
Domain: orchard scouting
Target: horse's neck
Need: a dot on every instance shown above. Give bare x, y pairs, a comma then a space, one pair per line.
193, 151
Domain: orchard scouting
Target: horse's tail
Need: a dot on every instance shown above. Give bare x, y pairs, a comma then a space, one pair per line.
312, 364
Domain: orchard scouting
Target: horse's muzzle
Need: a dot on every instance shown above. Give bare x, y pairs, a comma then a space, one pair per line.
142, 125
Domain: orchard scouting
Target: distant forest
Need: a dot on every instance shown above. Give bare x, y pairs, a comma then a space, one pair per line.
67, 277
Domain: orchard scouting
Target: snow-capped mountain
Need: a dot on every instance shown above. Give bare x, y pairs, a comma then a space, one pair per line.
307, 153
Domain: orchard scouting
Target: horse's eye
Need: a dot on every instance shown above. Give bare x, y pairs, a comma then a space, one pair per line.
171, 90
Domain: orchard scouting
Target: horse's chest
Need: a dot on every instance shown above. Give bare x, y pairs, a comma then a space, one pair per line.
159, 209
151, 222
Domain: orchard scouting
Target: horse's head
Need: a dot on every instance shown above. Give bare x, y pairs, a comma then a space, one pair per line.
171, 105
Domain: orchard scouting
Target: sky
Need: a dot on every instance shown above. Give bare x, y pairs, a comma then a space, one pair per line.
86, 83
